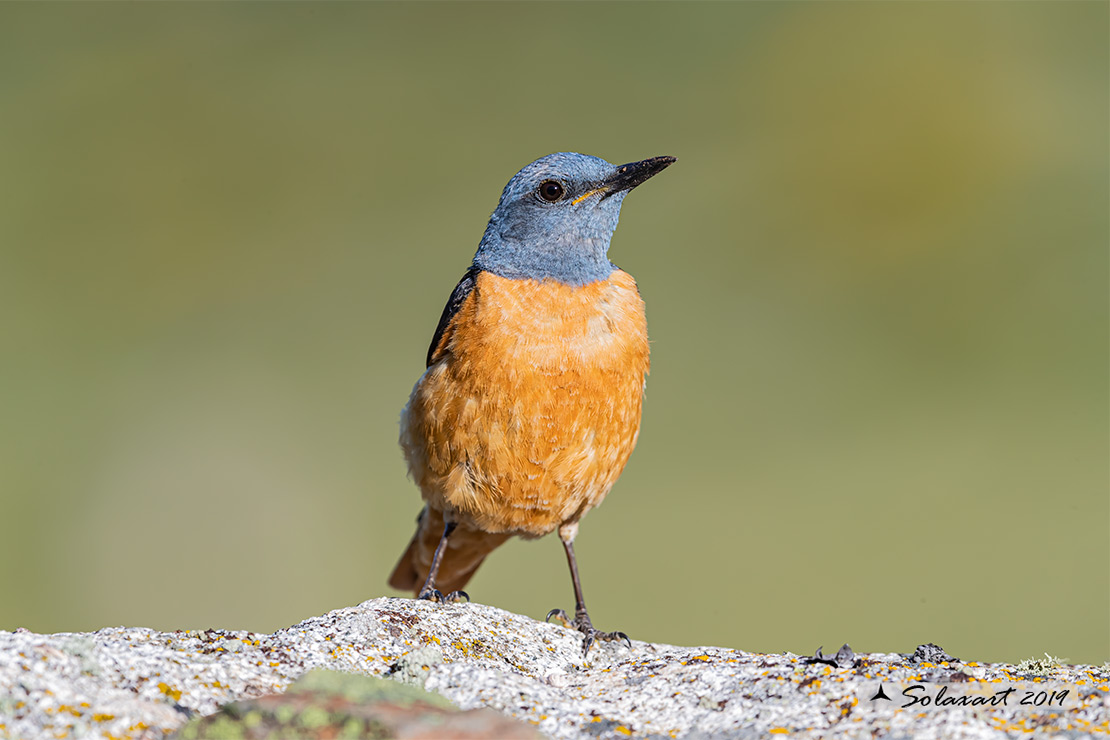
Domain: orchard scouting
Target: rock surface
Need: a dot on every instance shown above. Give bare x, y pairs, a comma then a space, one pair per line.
139, 683
329, 704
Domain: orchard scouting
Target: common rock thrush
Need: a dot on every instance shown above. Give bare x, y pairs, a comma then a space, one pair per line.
530, 404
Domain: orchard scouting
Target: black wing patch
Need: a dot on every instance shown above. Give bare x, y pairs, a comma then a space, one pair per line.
454, 303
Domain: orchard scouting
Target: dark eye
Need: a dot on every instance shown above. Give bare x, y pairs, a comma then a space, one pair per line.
551, 190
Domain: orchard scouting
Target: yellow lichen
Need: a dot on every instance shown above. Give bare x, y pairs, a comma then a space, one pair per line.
169, 691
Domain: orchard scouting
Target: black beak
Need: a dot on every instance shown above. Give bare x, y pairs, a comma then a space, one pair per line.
632, 174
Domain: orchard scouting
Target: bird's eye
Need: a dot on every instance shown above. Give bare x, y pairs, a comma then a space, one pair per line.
551, 191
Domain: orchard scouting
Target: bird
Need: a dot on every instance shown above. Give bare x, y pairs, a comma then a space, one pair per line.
529, 405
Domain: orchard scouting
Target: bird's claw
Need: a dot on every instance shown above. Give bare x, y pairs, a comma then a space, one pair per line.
595, 635
561, 616
430, 594
581, 622
619, 636
434, 595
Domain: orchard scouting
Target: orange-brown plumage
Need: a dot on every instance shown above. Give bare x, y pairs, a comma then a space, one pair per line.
525, 417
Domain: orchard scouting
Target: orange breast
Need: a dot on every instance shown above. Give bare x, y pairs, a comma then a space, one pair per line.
532, 407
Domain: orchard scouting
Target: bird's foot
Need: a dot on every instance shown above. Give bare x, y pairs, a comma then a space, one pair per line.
431, 594
581, 622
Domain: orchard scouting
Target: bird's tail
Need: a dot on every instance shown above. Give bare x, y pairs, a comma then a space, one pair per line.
466, 549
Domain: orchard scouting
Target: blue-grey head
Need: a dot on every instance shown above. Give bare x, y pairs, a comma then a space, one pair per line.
557, 215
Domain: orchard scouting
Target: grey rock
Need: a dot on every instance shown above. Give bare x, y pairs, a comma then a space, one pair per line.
844, 658
415, 667
930, 653
139, 683
330, 704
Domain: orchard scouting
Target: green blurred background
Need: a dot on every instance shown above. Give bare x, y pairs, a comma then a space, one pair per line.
876, 285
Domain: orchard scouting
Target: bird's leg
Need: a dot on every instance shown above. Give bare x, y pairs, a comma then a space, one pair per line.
581, 621
429, 591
